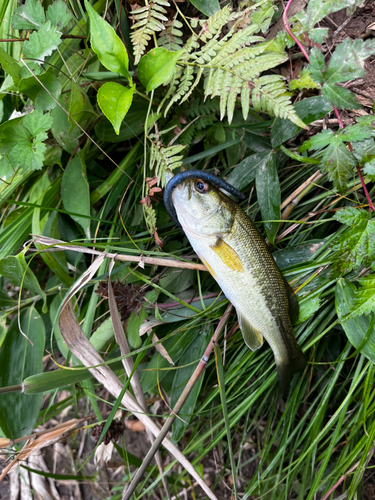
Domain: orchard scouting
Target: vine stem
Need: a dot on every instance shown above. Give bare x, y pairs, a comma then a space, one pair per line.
336, 111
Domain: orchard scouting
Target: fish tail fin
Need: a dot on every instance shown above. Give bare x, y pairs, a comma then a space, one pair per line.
294, 363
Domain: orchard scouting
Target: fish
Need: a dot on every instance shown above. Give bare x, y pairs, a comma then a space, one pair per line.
236, 255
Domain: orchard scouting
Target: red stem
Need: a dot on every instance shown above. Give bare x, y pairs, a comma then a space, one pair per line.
289, 31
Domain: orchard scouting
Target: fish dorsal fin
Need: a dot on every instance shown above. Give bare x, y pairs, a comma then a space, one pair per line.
293, 303
229, 256
252, 337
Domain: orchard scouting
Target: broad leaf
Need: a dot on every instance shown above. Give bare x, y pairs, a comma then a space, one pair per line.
20, 358
41, 43
75, 192
347, 61
115, 100
317, 65
207, 7
58, 14
80, 109
157, 67
356, 328
33, 89
132, 328
356, 246
245, 172
364, 297
10, 66
107, 45
340, 97
61, 128
269, 197
338, 162
29, 16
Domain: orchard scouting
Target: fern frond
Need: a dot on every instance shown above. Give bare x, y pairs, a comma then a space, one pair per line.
171, 39
162, 158
183, 89
148, 20
270, 95
150, 218
213, 26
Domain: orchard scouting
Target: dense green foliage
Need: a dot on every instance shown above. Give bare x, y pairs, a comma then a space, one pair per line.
95, 105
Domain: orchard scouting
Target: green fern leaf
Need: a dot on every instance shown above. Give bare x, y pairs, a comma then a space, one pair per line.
148, 20
162, 158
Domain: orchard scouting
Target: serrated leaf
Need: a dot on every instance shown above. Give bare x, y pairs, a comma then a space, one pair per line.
364, 151
357, 132
340, 97
364, 298
269, 197
369, 169
37, 122
115, 100
42, 43
347, 61
356, 328
29, 16
33, 89
10, 66
355, 246
303, 82
317, 65
107, 45
75, 192
318, 9
338, 162
157, 67
58, 14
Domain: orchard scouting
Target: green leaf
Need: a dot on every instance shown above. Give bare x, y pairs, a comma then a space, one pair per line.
157, 67
176, 281
75, 192
107, 45
33, 89
207, 7
15, 269
338, 162
269, 197
80, 109
20, 358
42, 43
58, 14
307, 307
309, 110
364, 298
29, 16
369, 170
66, 138
132, 327
182, 376
347, 61
23, 141
357, 328
246, 170
356, 246
317, 65
303, 82
115, 100
340, 97
295, 254
10, 66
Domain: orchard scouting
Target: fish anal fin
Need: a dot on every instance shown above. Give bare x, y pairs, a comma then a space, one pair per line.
252, 337
229, 256
209, 268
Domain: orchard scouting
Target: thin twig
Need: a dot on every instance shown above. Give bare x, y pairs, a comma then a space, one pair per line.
181, 400
155, 261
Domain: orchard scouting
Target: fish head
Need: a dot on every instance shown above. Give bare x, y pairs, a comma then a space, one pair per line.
202, 209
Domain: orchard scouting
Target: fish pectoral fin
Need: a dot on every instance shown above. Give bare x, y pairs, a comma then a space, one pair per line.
252, 337
228, 255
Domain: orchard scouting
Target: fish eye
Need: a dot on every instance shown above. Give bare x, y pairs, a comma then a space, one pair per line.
201, 186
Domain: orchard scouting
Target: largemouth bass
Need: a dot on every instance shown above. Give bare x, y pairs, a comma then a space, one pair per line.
235, 254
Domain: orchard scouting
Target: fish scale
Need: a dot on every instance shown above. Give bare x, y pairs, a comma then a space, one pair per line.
234, 252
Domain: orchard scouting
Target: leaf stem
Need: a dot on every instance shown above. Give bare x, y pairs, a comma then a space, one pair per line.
289, 31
